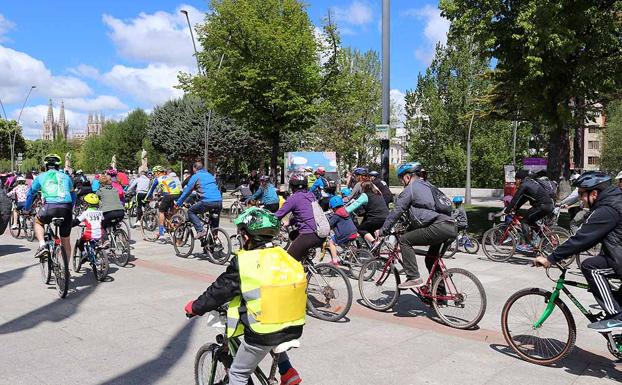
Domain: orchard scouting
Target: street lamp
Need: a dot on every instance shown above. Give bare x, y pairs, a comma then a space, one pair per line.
467, 190
14, 138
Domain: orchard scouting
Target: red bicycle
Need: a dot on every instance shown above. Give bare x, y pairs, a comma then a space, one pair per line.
455, 294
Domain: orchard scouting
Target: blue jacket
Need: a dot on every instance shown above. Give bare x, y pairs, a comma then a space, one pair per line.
206, 186
267, 195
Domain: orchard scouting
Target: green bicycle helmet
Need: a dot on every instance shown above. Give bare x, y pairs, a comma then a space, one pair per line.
261, 225
52, 160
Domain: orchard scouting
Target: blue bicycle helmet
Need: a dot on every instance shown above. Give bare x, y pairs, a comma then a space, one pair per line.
458, 199
593, 180
361, 171
335, 202
346, 191
408, 168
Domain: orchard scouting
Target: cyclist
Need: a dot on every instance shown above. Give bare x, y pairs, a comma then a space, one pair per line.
244, 190
573, 203
459, 214
81, 184
375, 211
55, 188
299, 204
320, 187
266, 193
109, 203
382, 186
429, 226
541, 203
343, 226
140, 186
19, 194
242, 286
362, 175
603, 225
170, 191
92, 218
209, 195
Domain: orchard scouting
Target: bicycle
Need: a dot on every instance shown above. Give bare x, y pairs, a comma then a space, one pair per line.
25, 224
531, 313
216, 244
131, 207
464, 241
447, 290
351, 256
236, 207
55, 262
94, 255
119, 250
500, 241
150, 222
213, 360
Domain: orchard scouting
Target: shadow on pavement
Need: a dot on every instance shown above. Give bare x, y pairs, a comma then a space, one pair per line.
12, 249
12, 276
513, 260
156, 368
579, 362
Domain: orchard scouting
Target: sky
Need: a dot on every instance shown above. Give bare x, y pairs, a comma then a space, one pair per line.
113, 56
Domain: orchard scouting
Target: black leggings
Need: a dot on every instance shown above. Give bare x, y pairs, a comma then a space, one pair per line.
109, 216
302, 243
370, 225
534, 214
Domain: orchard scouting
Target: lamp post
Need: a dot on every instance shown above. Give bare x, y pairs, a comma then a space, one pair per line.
14, 138
386, 98
467, 190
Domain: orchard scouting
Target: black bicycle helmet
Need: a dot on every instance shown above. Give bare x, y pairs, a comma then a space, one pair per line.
593, 180
374, 174
298, 181
521, 174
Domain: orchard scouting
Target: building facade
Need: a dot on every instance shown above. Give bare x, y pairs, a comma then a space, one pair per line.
95, 124
592, 142
52, 129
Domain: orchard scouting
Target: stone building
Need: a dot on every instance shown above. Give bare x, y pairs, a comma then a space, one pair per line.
95, 124
55, 129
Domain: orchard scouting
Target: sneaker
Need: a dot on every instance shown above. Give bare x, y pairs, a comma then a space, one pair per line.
524, 248
41, 252
411, 284
291, 377
606, 325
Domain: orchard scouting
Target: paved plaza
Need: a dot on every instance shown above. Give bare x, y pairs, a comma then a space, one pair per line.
132, 329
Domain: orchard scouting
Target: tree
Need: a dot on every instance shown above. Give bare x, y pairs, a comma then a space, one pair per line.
611, 159
555, 59
269, 77
8, 129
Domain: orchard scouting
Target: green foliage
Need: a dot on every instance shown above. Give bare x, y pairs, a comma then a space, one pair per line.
269, 76
611, 160
8, 130
549, 54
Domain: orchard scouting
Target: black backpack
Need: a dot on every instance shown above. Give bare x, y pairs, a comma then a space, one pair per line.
549, 186
442, 204
318, 192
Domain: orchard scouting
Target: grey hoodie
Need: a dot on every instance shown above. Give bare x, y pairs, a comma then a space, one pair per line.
109, 199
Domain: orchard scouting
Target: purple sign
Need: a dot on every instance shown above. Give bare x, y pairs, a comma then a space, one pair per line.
534, 162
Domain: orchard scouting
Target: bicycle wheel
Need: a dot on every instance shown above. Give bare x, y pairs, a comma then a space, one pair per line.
209, 366
236, 243
234, 211
471, 245
120, 248
498, 245
547, 344
14, 232
183, 240
149, 224
75, 259
218, 246
458, 298
131, 216
329, 293
46, 272
356, 259
378, 284
452, 249
29, 228
61, 270
101, 265
556, 237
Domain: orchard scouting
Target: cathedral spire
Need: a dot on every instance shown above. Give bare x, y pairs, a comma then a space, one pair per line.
50, 117
61, 116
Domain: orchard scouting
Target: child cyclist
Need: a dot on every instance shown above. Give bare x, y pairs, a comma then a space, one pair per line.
343, 226
92, 219
266, 291
459, 214
19, 193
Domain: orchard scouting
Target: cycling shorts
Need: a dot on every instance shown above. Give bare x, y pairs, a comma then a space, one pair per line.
56, 210
167, 202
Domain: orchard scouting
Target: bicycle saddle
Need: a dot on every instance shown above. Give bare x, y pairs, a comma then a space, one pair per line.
285, 346
58, 221
116, 220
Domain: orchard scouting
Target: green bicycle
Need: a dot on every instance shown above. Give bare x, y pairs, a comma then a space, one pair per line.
540, 328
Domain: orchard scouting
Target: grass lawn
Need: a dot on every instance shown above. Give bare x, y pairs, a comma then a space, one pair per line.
479, 223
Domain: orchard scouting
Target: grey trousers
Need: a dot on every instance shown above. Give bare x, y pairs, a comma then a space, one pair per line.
246, 360
434, 235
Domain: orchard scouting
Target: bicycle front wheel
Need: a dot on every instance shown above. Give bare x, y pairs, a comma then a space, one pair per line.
218, 247
61, 270
100, 267
234, 211
543, 345
378, 284
120, 248
14, 227
149, 224
183, 241
29, 228
75, 259
471, 245
209, 367
46, 272
550, 241
458, 298
499, 245
356, 259
329, 293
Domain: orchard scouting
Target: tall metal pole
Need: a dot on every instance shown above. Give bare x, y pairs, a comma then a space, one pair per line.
386, 82
194, 44
3, 111
467, 192
14, 138
514, 127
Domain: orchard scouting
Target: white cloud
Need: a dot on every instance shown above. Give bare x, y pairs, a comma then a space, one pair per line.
19, 71
5, 26
160, 37
435, 30
85, 70
357, 13
100, 103
152, 84
398, 105
33, 117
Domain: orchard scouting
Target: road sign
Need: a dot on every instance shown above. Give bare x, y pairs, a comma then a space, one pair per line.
20, 157
382, 131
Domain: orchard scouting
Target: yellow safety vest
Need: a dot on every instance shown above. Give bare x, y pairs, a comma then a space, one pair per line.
273, 286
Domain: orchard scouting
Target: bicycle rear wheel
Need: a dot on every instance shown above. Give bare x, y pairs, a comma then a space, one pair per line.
329, 293
547, 344
458, 298
75, 259
356, 259
149, 224
29, 228
452, 249
234, 211
183, 240
218, 247
209, 368
46, 272
101, 265
61, 270
499, 246
378, 284
471, 245
120, 248
14, 232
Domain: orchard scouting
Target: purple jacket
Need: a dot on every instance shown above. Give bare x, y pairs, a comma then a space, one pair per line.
299, 204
